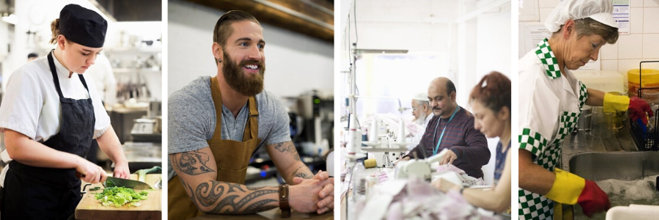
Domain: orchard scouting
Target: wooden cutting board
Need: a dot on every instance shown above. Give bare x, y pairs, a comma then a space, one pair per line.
90, 208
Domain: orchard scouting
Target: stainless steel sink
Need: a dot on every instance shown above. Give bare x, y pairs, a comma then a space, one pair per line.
597, 166
615, 165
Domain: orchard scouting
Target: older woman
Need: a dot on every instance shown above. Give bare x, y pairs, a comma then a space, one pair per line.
490, 102
550, 99
49, 115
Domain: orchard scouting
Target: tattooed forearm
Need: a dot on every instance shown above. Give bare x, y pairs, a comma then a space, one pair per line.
289, 148
250, 199
192, 163
228, 204
188, 189
259, 206
303, 172
207, 195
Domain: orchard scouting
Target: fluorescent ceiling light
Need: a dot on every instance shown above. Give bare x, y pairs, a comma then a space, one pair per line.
381, 51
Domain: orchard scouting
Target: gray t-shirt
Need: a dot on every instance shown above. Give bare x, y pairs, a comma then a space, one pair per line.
192, 119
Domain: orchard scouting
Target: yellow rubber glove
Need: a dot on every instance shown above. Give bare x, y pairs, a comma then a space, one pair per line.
571, 189
567, 187
615, 103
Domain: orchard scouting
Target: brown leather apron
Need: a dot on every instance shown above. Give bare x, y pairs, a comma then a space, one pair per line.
231, 157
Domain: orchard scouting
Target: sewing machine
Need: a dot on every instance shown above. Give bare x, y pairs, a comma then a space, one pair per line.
419, 168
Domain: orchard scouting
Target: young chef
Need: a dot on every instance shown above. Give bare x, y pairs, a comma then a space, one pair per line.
50, 114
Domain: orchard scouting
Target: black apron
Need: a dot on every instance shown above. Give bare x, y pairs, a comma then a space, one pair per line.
48, 193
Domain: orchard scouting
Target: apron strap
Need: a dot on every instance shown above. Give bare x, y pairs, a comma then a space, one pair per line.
217, 100
53, 71
84, 83
252, 126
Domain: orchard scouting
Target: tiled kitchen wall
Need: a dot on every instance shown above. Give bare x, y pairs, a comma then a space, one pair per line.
641, 44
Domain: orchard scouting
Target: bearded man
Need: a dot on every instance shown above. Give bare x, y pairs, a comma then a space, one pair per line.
217, 123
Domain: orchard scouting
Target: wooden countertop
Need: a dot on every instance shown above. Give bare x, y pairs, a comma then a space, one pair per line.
268, 215
90, 208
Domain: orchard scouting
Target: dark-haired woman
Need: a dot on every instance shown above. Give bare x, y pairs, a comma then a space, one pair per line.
490, 103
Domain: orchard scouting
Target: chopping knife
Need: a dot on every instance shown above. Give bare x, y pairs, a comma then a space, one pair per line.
113, 181
133, 184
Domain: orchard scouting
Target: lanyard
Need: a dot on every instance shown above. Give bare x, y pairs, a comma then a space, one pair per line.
434, 152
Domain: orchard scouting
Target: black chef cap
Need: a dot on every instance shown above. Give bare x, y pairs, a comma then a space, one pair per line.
82, 26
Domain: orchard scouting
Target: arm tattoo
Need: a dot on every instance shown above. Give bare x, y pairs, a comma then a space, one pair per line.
192, 163
228, 204
288, 147
303, 173
259, 206
206, 195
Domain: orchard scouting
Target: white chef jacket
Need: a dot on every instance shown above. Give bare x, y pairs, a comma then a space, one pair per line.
550, 103
104, 80
31, 105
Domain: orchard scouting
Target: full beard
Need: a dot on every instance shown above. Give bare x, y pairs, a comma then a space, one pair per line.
421, 119
238, 80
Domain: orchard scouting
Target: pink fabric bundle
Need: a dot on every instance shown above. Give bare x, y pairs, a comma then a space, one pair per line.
466, 179
416, 200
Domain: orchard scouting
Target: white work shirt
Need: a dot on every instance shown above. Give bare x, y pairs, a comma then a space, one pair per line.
31, 105
550, 103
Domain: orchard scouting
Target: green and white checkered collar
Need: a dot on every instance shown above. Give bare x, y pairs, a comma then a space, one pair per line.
546, 55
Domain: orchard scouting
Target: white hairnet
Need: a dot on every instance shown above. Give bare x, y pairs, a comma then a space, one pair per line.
599, 10
421, 97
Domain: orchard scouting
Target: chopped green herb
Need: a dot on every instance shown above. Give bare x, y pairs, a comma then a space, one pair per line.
119, 196
95, 188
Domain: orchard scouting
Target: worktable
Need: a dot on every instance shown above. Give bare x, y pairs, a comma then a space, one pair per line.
90, 208
269, 215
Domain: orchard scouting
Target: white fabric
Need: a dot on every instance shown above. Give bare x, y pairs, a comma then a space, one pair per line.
599, 10
542, 99
103, 76
31, 105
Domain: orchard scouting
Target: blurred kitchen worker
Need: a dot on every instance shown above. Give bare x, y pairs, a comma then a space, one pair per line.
32, 56
550, 102
421, 109
103, 76
215, 125
106, 86
490, 102
49, 115
452, 127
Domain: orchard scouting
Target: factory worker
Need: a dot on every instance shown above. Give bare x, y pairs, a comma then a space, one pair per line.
421, 109
452, 128
550, 100
490, 103
49, 115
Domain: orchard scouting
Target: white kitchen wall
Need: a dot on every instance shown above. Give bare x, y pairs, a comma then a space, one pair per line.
641, 44
295, 63
34, 16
